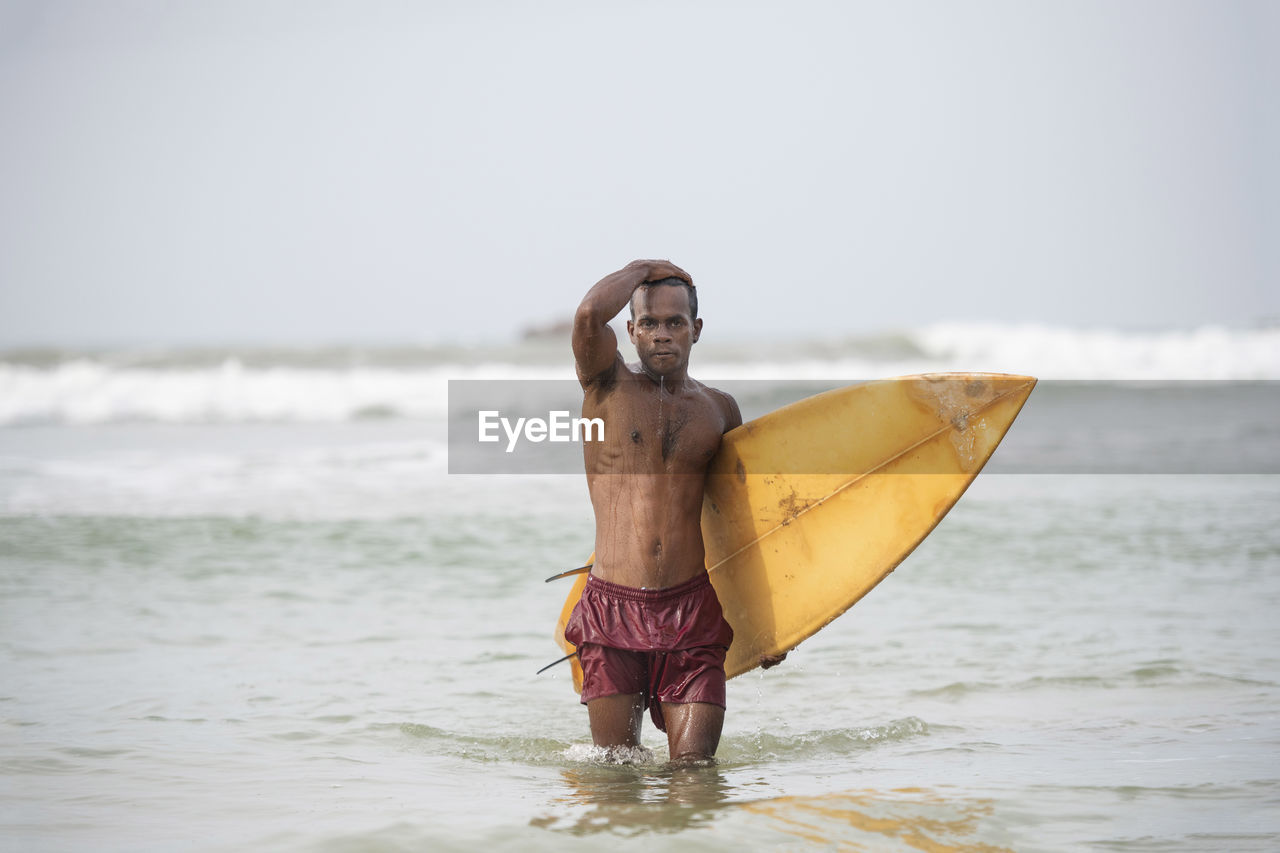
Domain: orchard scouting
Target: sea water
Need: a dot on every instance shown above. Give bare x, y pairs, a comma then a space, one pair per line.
244, 605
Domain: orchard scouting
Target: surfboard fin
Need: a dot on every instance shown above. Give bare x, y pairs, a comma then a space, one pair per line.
576, 571
553, 663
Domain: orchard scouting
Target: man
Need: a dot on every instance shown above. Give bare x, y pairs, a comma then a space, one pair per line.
649, 629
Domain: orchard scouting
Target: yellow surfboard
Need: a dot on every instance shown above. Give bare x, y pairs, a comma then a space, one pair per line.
809, 507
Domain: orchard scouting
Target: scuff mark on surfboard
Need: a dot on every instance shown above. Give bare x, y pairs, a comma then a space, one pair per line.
792, 505
956, 403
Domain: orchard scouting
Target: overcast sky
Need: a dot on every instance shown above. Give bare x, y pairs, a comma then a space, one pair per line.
307, 172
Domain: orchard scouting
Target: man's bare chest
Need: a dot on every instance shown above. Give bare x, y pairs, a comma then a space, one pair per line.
661, 431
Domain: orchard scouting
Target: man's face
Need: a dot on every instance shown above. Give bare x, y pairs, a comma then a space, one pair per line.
663, 330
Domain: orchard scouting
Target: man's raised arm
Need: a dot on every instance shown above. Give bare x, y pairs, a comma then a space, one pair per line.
595, 346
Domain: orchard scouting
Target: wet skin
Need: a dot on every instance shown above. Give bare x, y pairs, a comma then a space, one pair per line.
662, 429
646, 479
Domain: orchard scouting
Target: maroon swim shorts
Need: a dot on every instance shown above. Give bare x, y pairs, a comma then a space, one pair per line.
668, 645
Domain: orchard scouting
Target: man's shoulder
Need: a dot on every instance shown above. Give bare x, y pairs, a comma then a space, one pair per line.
720, 393
711, 390
725, 402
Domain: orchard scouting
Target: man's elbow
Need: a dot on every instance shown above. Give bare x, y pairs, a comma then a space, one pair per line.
588, 320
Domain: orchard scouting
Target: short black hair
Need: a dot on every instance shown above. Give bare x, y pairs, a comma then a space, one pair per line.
673, 281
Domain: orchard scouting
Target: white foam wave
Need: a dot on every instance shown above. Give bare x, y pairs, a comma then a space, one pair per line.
1046, 352
1210, 352
585, 753
85, 391
92, 390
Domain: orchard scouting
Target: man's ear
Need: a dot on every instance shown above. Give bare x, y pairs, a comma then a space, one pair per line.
697, 329
631, 331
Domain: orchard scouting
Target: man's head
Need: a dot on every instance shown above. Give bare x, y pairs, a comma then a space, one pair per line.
669, 282
664, 325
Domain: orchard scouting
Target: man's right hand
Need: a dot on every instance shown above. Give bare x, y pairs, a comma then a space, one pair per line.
660, 269
770, 661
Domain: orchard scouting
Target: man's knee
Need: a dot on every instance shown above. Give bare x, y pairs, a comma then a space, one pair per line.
693, 730
615, 720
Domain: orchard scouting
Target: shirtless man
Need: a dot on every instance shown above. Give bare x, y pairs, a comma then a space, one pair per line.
649, 629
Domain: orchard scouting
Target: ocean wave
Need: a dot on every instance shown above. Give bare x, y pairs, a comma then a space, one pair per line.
816, 744
88, 391
379, 478
1209, 352
1046, 352
487, 749
351, 384
734, 750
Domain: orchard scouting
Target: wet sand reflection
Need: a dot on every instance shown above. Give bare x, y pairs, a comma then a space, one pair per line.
632, 800
636, 800
914, 819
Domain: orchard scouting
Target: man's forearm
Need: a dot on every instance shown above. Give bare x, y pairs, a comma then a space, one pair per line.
611, 294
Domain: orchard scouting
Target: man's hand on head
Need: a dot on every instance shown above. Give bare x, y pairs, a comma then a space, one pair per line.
658, 270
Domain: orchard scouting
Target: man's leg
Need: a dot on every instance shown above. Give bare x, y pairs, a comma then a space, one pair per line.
615, 720
693, 730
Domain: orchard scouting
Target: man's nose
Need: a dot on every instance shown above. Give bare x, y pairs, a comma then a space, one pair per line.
663, 333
